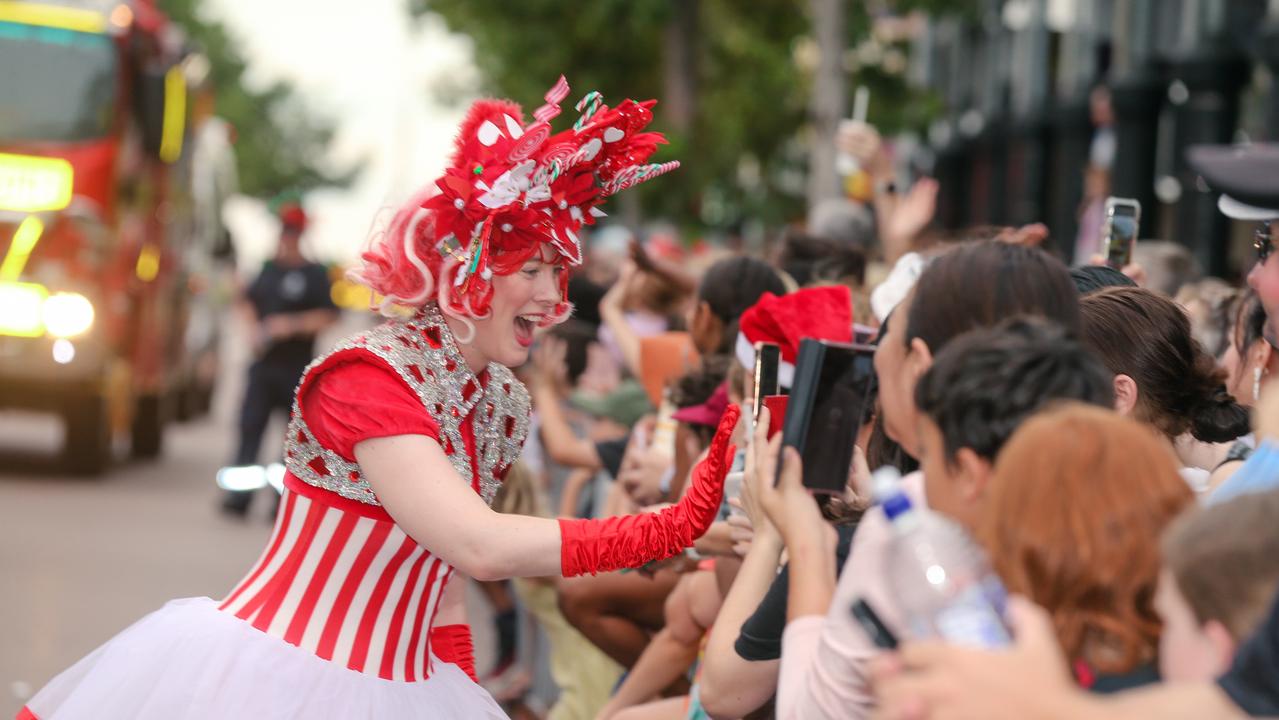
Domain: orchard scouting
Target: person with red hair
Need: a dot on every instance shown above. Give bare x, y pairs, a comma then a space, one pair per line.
1075, 528
398, 440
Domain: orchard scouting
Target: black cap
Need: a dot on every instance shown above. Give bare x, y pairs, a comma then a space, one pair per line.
1246, 175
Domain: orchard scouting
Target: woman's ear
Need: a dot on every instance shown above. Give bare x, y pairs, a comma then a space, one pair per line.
1262, 355
1125, 394
919, 359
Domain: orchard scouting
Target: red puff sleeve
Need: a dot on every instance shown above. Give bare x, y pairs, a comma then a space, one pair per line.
358, 398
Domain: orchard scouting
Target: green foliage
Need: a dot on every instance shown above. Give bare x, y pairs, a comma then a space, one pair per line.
279, 144
743, 150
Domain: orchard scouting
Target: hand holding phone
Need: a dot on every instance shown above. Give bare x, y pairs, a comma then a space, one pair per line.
825, 410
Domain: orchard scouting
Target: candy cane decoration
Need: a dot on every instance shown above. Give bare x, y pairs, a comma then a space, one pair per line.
591, 102
636, 174
553, 98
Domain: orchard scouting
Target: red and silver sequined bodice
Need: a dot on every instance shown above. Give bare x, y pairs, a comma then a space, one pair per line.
339, 577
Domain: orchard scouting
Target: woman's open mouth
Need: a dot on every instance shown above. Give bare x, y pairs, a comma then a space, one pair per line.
524, 327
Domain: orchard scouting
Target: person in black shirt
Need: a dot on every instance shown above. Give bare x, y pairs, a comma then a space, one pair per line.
290, 304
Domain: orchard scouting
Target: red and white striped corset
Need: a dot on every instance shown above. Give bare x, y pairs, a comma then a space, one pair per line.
338, 577
344, 582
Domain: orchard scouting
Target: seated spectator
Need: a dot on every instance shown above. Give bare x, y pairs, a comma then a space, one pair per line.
584, 675
620, 611
1075, 528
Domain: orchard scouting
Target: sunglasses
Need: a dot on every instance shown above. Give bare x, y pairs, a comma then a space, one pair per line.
1262, 242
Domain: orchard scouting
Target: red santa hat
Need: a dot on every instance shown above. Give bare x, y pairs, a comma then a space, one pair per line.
823, 313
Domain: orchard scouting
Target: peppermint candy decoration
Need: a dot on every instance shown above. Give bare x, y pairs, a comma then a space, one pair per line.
636, 174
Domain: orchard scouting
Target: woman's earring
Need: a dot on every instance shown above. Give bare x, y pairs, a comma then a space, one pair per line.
1256, 384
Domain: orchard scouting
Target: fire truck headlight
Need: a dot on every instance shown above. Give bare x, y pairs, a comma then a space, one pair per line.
67, 315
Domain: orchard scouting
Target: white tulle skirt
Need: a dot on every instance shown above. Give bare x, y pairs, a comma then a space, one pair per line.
188, 661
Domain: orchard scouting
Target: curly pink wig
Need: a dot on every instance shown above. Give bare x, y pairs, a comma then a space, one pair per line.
404, 268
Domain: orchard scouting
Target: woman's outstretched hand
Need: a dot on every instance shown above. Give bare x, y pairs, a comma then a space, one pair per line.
592, 546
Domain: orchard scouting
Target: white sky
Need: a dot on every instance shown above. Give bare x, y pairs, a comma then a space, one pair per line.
370, 69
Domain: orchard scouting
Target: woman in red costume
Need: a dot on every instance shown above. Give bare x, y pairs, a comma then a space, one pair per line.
398, 440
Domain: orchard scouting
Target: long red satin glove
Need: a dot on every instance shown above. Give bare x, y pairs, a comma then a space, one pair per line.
452, 644
630, 541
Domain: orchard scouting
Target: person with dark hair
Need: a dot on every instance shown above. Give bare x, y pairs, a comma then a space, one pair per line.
1162, 375
981, 387
1091, 278
728, 288
945, 303
290, 305
1248, 359
811, 260
979, 391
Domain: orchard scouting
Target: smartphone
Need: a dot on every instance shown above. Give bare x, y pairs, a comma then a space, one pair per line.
825, 410
1123, 219
875, 628
768, 357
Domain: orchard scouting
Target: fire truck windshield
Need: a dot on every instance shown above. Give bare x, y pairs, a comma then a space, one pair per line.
57, 85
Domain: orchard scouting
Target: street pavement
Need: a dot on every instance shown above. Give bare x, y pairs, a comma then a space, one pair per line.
82, 558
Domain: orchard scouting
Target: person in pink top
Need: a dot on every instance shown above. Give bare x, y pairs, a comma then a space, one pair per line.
398, 440
825, 668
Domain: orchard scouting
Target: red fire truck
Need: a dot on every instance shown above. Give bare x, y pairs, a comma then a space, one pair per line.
102, 264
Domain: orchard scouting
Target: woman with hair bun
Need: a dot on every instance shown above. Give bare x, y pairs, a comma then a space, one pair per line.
1163, 377
398, 441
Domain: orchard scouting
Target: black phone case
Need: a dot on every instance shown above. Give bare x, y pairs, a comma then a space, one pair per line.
799, 408
822, 421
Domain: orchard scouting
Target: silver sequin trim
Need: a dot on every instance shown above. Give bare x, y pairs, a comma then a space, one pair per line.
423, 353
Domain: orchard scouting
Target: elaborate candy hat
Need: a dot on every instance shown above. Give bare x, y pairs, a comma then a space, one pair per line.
512, 187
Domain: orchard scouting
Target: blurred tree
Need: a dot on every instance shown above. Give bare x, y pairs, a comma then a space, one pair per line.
280, 144
723, 74
734, 80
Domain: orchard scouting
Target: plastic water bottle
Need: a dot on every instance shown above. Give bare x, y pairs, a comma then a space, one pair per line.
940, 576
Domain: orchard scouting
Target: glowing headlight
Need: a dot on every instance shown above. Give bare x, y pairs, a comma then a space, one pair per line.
67, 315
20, 306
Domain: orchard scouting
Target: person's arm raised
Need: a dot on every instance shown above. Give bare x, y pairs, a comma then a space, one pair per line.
419, 488
732, 686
